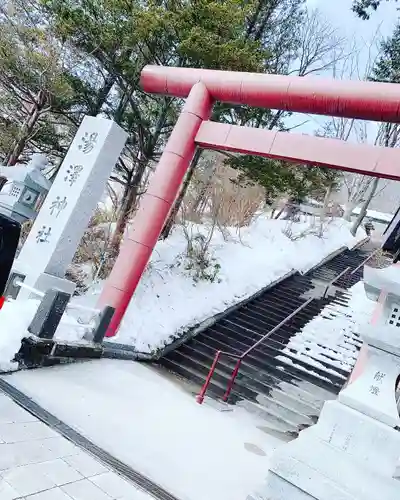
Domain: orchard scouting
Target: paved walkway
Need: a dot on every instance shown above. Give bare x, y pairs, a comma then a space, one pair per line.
36, 463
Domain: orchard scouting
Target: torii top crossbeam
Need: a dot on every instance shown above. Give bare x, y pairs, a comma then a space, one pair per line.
349, 99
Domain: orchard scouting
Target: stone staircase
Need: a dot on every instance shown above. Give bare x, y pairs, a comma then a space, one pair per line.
274, 381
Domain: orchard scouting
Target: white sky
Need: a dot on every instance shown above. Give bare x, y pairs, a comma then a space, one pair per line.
340, 14
355, 30
348, 25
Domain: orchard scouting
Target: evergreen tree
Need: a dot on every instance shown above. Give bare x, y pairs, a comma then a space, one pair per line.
387, 66
85, 57
32, 82
120, 37
298, 42
364, 8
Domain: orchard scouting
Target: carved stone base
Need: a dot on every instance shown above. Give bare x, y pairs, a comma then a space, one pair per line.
325, 473
359, 436
42, 282
346, 456
276, 488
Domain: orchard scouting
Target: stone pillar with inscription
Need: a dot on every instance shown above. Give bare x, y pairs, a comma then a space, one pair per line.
353, 452
71, 201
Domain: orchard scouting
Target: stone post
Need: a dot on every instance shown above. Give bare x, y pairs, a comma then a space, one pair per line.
70, 203
353, 452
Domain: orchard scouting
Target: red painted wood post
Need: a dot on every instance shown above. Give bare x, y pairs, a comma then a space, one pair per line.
154, 207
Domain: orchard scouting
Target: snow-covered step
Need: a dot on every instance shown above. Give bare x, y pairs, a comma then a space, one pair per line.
273, 420
308, 392
315, 356
284, 411
342, 360
296, 403
338, 334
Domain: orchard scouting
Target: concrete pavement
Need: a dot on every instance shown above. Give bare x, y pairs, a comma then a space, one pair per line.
36, 463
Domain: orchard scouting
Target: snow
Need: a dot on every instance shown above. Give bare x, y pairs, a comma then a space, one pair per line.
168, 301
148, 419
334, 333
373, 214
19, 172
15, 318
154, 425
14, 321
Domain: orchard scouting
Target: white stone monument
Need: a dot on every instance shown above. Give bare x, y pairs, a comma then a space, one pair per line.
353, 452
70, 203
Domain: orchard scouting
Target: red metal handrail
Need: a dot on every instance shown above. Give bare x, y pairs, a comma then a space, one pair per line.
200, 397
336, 279
353, 271
366, 260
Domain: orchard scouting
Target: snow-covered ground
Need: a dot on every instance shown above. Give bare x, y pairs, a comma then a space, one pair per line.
194, 451
168, 301
36, 463
153, 423
374, 215
15, 317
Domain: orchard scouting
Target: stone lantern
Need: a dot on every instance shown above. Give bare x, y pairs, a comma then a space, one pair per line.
23, 190
353, 452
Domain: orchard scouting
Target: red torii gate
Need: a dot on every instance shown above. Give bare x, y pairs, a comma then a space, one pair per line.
350, 99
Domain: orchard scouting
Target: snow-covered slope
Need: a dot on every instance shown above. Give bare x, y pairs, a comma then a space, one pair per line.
168, 301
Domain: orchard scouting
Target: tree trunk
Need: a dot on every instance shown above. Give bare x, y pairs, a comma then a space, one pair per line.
348, 210
103, 95
119, 228
280, 212
365, 205
3, 181
26, 129
128, 205
123, 104
204, 188
327, 198
328, 194
123, 216
292, 209
169, 224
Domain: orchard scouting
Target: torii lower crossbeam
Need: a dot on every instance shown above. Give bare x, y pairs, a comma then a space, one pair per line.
302, 149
